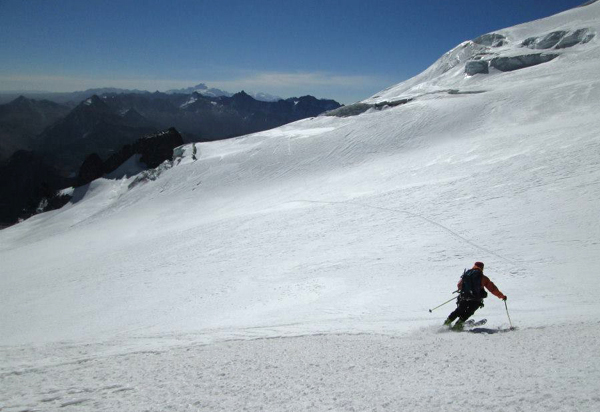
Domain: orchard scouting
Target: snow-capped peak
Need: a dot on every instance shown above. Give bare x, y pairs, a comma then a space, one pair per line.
471, 64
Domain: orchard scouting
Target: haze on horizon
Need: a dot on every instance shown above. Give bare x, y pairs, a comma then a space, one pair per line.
288, 49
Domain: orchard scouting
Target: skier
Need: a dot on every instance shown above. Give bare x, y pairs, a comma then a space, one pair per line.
472, 286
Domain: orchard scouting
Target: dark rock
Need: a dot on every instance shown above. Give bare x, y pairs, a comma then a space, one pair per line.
157, 148
51, 199
91, 169
476, 66
154, 149
25, 179
507, 64
118, 158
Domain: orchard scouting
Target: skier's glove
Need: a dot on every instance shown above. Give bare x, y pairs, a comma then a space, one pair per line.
504, 298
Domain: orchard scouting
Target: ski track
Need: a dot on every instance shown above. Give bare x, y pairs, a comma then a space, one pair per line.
530, 369
416, 215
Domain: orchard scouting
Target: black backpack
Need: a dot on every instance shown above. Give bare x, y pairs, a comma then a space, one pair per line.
471, 285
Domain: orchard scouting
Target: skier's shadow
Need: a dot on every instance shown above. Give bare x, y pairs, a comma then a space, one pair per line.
488, 331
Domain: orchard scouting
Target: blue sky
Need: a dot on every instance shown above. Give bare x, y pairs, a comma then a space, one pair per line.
344, 49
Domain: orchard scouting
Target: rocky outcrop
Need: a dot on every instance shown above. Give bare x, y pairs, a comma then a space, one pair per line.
91, 169
153, 149
491, 40
474, 67
350, 110
546, 42
157, 148
359, 108
481, 60
25, 179
507, 64
30, 185
559, 39
580, 36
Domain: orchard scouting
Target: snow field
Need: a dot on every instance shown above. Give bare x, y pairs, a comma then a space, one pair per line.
530, 369
349, 233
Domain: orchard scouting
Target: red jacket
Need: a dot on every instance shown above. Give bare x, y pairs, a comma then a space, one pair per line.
488, 284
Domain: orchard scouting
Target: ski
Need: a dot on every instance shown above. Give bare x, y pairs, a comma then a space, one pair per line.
468, 325
472, 323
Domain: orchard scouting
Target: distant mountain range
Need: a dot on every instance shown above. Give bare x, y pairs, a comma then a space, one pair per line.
71, 99
102, 124
212, 92
74, 98
57, 137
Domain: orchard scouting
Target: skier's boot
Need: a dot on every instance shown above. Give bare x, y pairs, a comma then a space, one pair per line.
458, 326
447, 322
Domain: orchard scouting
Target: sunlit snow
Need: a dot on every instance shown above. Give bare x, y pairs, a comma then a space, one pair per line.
293, 269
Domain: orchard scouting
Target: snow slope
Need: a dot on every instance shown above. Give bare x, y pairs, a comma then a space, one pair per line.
292, 269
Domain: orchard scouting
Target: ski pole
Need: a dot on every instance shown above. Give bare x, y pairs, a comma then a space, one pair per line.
448, 301
509, 321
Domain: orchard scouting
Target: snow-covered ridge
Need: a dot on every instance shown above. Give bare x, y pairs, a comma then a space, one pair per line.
522, 46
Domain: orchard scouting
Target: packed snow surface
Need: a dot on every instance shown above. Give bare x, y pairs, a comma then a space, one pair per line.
293, 269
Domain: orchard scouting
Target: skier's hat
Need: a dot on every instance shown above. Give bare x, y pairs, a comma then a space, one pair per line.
479, 264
